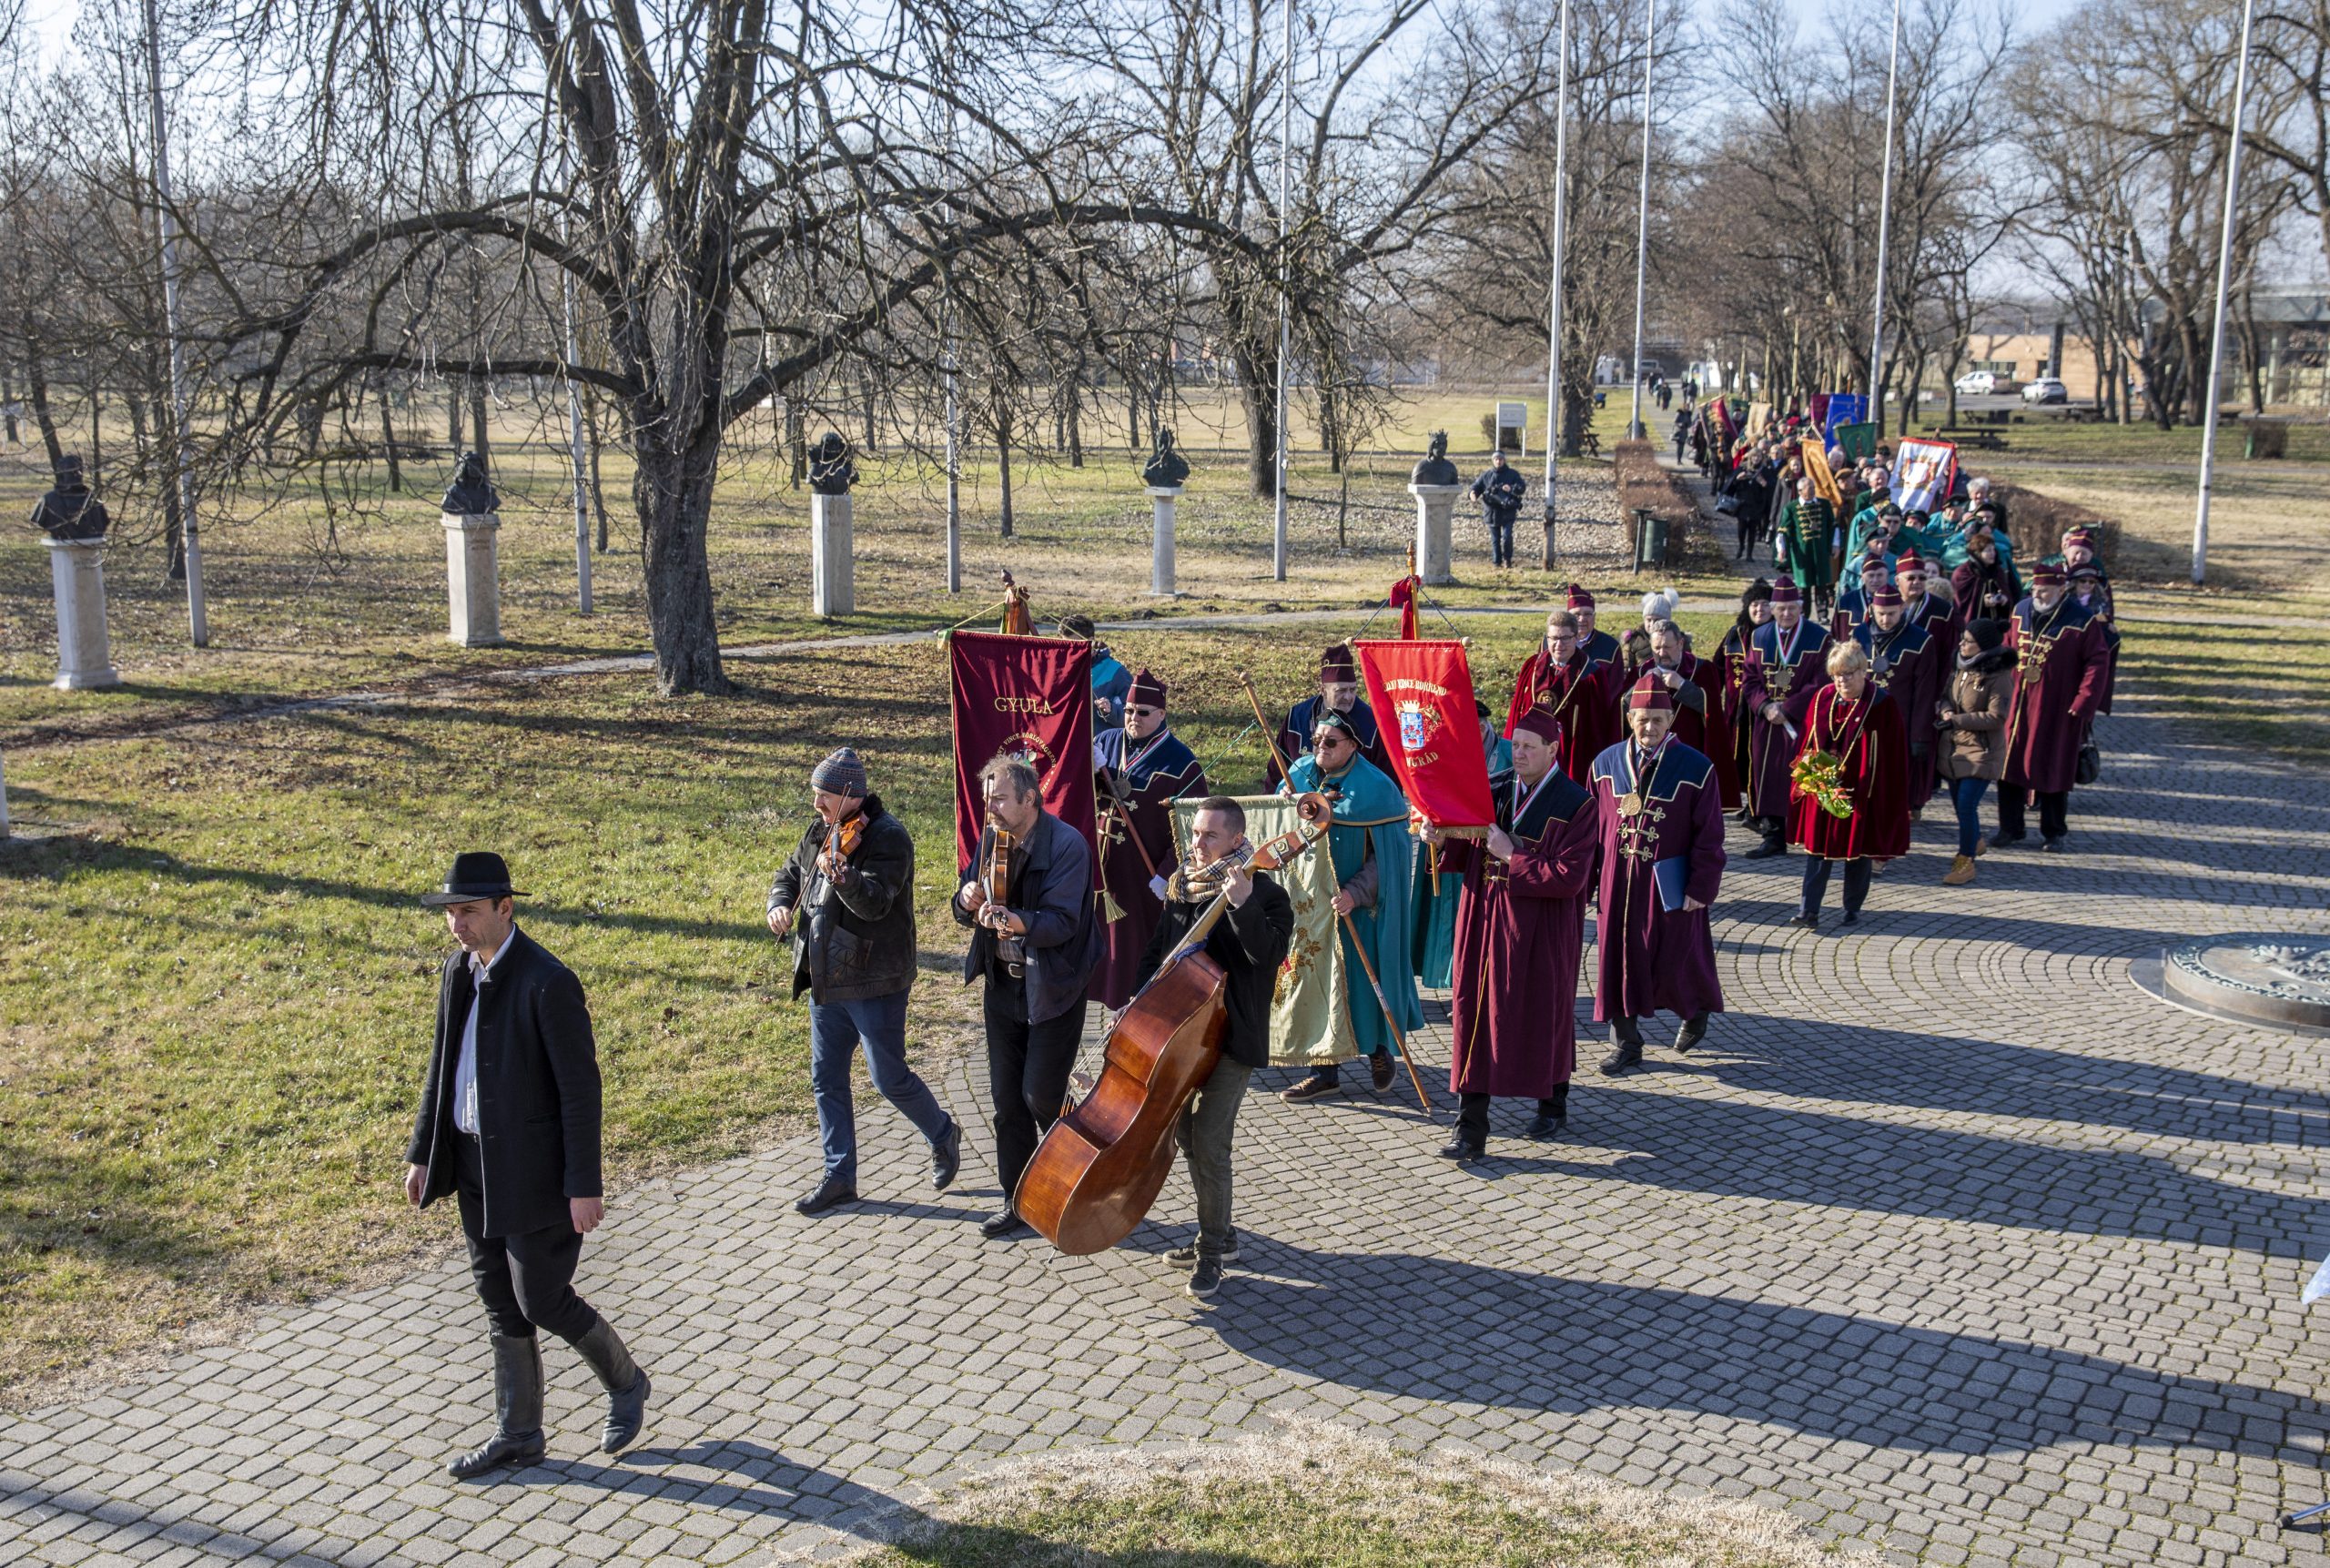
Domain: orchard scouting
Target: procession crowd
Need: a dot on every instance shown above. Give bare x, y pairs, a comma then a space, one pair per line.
1823, 720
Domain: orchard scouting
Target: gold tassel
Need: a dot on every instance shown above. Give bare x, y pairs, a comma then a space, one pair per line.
1110, 910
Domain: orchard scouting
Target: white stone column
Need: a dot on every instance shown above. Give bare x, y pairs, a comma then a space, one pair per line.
473, 579
84, 653
1436, 505
1162, 497
832, 556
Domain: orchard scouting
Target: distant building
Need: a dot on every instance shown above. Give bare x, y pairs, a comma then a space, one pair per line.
2293, 334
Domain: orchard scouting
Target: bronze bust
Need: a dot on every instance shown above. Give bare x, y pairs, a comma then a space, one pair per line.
69, 511
1167, 468
1435, 468
831, 471
472, 494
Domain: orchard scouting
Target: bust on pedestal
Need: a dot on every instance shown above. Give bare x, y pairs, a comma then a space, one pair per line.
832, 545
75, 522
1436, 484
1164, 475
472, 518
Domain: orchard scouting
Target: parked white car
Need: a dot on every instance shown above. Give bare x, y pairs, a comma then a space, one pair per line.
1982, 384
2046, 389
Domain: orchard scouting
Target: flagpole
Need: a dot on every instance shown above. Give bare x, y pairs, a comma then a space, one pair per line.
1554, 332
197, 609
1285, 280
1884, 232
2217, 336
1634, 430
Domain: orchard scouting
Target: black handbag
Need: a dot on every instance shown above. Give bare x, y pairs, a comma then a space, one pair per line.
2090, 766
1728, 505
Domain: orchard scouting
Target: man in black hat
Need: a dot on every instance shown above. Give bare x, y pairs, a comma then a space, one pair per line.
1338, 693
508, 1123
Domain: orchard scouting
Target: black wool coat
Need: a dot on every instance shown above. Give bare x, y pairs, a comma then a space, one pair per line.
854, 938
537, 1090
1249, 943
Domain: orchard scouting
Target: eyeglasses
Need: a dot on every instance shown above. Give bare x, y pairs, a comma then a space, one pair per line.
1133, 712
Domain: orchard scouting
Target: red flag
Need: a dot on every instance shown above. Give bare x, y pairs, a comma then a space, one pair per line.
1403, 600
1031, 697
1422, 694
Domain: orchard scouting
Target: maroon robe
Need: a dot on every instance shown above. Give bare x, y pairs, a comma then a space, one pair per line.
2061, 661
1159, 770
1583, 694
1865, 735
1650, 958
2100, 602
1520, 930
1913, 677
1706, 729
1788, 673
1731, 659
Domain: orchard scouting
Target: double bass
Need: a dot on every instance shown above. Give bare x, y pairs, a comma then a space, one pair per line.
1103, 1162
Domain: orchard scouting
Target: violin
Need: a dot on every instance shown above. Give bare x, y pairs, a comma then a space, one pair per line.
841, 843
1004, 848
1103, 1162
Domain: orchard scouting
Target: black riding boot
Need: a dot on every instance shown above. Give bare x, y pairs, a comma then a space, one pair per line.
624, 1381
517, 1409
1626, 1037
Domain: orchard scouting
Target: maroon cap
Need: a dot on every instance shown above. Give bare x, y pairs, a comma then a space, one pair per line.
1146, 690
1874, 564
2084, 537
1886, 598
1786, 592
1540, 722
1909, 561
1650, 695
2050, 572
1578, 598
1334, 664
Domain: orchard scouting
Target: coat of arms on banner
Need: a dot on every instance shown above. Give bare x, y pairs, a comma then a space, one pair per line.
1417, 723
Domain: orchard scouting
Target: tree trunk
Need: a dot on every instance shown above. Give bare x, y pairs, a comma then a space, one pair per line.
389, 443
1075, 424
592, 445
673, 493
453, 417
1262, 428
1003, 459
8, 405
37, 374
484, 448
96, 438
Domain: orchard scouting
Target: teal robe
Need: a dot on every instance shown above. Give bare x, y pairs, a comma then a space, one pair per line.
1372, 812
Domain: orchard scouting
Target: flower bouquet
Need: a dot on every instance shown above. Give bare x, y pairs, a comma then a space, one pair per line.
1821, 776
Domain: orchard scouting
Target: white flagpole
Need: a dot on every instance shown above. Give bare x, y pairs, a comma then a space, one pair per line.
577, 453
1553, 333
1285, 280
1884, 232
198, 612
2217, 336
1634, 430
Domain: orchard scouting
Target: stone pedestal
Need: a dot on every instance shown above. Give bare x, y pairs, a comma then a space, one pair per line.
84, 653
1435, 505
474, 578
833, 557
1162, 497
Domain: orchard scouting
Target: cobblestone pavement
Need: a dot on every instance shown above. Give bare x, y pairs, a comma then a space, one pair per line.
1950, 1241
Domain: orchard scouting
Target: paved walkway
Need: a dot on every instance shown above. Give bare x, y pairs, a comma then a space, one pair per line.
1950, 1241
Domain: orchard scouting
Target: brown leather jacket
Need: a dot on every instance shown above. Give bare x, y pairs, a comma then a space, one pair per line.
1973, 742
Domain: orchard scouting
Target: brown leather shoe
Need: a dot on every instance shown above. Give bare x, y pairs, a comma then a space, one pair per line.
1961, 871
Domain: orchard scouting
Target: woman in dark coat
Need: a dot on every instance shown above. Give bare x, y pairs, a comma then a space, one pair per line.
1731, 663
1853, 720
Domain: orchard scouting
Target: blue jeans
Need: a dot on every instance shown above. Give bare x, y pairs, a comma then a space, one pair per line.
1967, 795
835, 1031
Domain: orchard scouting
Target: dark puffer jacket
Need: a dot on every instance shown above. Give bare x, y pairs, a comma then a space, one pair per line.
851, 938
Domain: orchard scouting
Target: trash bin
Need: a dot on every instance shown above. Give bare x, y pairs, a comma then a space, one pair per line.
2267, 439
1650, 538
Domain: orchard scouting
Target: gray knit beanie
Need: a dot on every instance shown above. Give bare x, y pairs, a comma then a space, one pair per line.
841, 773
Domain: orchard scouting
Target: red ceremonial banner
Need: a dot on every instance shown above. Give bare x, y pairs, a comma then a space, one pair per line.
1422, 694
1031, 697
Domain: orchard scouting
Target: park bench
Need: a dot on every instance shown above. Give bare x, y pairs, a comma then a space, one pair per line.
1979, 437
1590, 444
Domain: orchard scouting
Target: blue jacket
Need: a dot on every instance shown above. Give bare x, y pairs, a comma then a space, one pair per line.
1055, 897
1499, 492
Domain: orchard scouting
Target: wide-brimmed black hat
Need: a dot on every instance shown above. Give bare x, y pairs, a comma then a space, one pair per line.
479, 873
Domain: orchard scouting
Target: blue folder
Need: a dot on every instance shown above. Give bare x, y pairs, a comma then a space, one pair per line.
1673, 875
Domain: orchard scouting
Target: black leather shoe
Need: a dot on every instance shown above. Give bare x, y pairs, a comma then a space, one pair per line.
946, 1158
1463, 1150
1766, 850
626, 1381
517, 1409
1694, 1030
1628, 1054
1851, 918
2001, 839
1809, 922
2052, 845
832, 1192
1317, 1085
996, 1227
1379, 1069
1542, 1127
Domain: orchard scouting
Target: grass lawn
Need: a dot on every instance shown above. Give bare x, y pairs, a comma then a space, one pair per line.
1312, 1497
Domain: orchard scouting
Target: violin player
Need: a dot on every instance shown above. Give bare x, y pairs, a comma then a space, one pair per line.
845, 900
1027, 897
1249, 943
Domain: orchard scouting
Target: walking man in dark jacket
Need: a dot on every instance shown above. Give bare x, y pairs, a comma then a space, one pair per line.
1035, 949
1249, 943
847, 901
508, 1123
1499, 490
